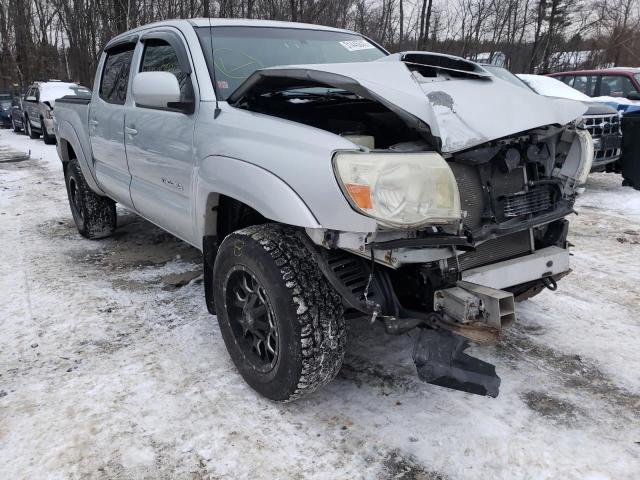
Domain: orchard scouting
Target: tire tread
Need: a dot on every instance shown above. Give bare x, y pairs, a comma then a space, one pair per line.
319, 310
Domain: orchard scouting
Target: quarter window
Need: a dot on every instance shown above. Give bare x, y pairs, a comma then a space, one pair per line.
616, 86
159, 56
115, 75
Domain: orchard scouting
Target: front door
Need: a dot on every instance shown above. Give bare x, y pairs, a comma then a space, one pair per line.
30, 106
159, 142
106, 124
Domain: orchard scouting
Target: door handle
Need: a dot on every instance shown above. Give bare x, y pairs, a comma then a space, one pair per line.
130, 131
93, 123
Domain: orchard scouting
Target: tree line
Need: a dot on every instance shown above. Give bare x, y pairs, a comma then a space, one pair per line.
43, 39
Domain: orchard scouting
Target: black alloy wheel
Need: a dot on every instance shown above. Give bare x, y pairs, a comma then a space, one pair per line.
252, 318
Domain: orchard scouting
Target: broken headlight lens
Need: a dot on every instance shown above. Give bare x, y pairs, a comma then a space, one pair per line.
399, 189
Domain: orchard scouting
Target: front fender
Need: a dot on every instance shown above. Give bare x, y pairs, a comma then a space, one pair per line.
252, 185
66, 133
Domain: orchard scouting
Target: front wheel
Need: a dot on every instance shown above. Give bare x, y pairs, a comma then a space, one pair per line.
282, 322
94, 215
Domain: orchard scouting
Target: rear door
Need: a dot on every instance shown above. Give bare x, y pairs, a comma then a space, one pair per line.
159, 141
106, 122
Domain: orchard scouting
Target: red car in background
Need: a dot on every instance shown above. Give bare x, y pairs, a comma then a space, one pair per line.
611, 82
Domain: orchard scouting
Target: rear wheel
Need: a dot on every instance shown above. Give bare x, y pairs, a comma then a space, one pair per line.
94, 215
48, 139
14, 126
29, 129
282, 322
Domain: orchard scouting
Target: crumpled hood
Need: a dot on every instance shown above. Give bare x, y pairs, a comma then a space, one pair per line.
461, 112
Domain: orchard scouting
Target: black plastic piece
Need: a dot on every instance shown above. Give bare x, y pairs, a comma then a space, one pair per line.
630, 161
460, 242
209, 252
74, 99
120, 42
440, 360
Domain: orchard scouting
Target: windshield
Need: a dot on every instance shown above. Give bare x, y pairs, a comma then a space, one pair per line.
505, 74
5, 102
240, 51
637, 75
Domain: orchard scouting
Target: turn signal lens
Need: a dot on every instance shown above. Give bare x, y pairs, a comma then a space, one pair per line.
360, 194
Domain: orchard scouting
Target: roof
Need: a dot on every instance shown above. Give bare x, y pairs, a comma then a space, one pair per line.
223, 22
614, 70
243, 22
230, 22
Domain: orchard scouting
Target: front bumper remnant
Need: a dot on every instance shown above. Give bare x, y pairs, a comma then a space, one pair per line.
546, 262
440, 360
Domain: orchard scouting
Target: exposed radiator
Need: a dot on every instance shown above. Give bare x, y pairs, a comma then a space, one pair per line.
532, 201
496, 250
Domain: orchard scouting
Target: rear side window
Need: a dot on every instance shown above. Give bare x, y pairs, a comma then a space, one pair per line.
585, 84
616, 86
159, 56
115, 74
568, 79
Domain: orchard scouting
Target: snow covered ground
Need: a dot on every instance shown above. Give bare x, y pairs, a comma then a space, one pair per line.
110, 366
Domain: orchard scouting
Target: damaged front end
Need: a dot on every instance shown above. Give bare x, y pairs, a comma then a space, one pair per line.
468, 178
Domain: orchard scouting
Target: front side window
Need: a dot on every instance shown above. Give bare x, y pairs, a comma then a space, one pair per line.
240, 51
159, 56
637, 75
115, 74
616, 86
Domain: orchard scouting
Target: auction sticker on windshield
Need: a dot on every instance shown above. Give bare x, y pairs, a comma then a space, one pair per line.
353, 45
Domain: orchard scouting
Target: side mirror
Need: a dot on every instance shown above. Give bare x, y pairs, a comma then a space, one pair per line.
156, 90
633, 96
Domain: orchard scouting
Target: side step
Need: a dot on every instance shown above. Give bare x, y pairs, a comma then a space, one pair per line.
440, 360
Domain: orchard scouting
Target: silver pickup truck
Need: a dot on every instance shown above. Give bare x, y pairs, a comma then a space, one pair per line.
323, 178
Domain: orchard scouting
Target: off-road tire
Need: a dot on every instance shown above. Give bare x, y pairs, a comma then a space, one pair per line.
308, 312
48, 139
29, 129
95, 216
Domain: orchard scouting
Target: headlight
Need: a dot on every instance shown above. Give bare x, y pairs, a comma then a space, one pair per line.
399, 189
587, 149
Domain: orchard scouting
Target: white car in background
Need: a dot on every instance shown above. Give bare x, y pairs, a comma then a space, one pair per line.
38, 106
602, 120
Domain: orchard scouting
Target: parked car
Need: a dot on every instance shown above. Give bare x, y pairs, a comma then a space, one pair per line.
38, 106
5, 110
610, 82
601, 120
17, 113
320, 175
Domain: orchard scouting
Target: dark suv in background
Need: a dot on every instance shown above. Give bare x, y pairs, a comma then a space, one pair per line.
610, 82
5, 110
